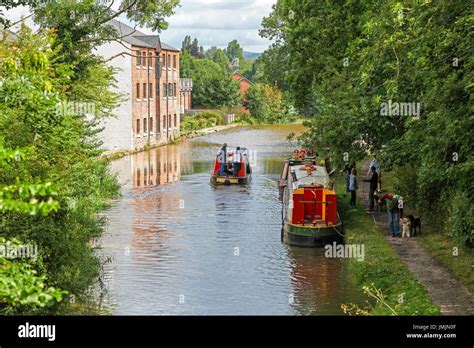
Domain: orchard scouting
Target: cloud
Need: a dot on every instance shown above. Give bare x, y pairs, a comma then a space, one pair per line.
212, 22
217, 22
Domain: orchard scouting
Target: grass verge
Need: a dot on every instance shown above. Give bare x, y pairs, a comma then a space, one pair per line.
400, 292
455, 257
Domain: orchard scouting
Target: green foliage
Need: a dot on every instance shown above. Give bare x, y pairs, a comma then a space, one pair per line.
205, 119
52, 184
218, 56
340, 61
23, 291
212, 85
381, 268
90, 15
192, 47
267, 104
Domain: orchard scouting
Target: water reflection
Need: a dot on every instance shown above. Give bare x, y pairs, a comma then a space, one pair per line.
195, 249
156, 167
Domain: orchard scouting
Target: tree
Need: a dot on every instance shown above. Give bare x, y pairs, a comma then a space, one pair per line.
234, 51
192, 47
212, 85
218, 56
267, 104
80, 27
345, 60
52, 192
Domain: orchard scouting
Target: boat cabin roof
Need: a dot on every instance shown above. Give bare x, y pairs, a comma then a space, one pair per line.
318, 177
234, 148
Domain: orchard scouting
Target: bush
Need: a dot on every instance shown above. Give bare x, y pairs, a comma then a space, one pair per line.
460, 222
268, 105
53, 191
205, 119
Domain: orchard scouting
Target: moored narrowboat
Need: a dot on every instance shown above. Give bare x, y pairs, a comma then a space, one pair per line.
310, 213
229, 171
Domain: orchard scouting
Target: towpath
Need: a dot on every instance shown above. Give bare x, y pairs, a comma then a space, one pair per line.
452, 297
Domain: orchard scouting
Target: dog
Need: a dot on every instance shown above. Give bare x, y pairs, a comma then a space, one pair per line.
406, 227
415, 225
380, 206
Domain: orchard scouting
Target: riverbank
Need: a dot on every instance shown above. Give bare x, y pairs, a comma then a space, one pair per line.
115, 155
456, 259
435, 280
400, 292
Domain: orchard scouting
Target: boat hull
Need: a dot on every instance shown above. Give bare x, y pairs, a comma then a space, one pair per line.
308, 236
227, 181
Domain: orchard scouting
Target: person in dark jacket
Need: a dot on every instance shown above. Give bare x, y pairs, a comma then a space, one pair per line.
222, 159
374, 179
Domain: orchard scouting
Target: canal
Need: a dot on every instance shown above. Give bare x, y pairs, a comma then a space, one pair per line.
178, 246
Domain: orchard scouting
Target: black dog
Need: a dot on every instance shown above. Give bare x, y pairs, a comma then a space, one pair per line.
415, 225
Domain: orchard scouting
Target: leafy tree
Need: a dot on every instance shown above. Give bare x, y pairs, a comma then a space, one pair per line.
51, 195
343, 60
218, 56
267, 104
212, 85
192, 47
234, 51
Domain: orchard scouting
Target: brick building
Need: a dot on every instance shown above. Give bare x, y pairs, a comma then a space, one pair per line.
244, 83
148, 75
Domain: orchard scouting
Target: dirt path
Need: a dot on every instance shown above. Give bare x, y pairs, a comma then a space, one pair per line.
444, 290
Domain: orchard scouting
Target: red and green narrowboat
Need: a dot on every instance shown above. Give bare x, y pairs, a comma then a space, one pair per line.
310, 213
230, 177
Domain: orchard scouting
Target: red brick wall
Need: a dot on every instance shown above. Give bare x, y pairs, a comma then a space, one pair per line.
150, 108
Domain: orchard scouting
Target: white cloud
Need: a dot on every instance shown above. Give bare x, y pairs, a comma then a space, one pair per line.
217, 22
212, 22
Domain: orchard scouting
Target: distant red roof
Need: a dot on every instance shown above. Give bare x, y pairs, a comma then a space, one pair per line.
244, 83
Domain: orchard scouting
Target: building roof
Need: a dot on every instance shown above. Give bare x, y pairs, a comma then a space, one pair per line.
137, 38
240, 77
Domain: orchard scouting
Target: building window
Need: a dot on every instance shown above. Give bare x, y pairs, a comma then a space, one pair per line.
138, 126
170, 89
158, 124
175, 90
144, 90
144, 58
138, 91
150, 90
175, 121
150, 60
139, 58
144, 125
169, 61
151, 124
165, 90
164, 122
164, 60
169, 121
157, 90
174, 61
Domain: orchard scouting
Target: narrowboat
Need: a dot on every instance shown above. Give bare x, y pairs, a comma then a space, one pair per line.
310, 214
242, 177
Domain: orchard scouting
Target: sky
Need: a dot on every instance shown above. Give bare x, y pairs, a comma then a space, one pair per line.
212, 22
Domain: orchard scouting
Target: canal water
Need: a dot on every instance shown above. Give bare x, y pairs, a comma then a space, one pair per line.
178, 246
